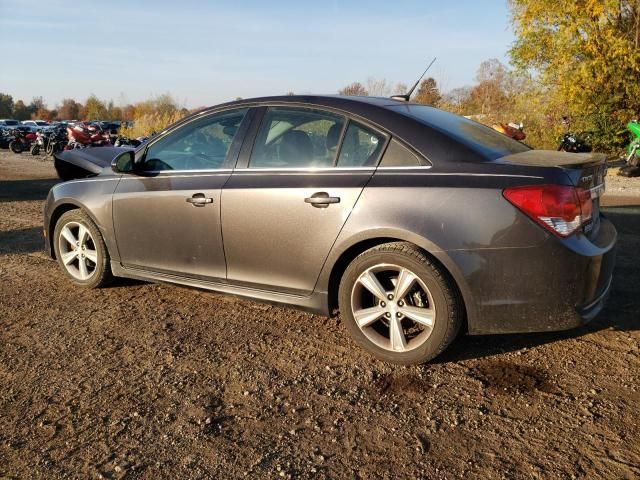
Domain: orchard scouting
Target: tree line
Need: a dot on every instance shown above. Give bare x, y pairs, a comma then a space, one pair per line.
573, 65
92, 109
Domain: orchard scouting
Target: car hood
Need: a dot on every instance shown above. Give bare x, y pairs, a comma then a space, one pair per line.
85, 162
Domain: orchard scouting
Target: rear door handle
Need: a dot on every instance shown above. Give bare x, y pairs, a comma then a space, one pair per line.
199, 200
321, 200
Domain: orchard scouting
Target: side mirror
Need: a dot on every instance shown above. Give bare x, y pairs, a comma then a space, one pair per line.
124, 163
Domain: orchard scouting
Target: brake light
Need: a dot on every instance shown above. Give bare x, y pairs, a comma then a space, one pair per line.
560, 209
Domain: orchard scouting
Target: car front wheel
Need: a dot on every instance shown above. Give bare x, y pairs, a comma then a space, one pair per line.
81, 251
398, 305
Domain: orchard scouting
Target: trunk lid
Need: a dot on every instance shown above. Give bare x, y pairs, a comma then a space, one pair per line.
584, 170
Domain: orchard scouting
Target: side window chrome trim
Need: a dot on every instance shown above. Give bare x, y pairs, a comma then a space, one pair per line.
406, 167
304, 169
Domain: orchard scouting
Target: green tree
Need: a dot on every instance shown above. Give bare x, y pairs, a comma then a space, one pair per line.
6, 105
585, 55
21, 111
95, 109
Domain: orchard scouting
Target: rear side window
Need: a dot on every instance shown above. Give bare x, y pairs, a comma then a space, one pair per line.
297, 138
480, 138
397, 155
361, 147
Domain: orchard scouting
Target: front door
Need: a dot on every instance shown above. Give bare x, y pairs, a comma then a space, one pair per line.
282, 212
167, 214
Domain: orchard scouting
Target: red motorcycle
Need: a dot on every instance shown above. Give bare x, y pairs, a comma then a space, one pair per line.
84, 134
22, 140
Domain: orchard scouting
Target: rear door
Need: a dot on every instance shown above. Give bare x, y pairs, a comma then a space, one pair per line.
291, 193
167, 215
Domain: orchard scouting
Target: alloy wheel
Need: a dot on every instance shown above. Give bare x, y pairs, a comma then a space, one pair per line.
393, 307
78, 250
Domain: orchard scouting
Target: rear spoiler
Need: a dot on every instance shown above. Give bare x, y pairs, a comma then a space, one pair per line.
550, 158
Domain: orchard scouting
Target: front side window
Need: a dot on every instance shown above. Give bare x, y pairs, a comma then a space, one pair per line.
202, 144
297, 138
361, 147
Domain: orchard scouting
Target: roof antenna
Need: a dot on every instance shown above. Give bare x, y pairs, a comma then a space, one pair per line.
407, 95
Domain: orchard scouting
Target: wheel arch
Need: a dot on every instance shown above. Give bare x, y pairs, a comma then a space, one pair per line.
340, 260
58, 211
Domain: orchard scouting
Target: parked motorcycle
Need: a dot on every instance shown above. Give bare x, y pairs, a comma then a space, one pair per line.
513, 130
632, 168
42, 140
574, 143
22, 140
57, 141
5, 137
122, 141
83, 135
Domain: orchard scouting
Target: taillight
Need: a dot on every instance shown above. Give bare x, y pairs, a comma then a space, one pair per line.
559, 208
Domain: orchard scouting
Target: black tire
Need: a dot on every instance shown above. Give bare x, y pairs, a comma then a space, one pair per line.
102, 273
15, 147
49, 150
446, 303
35, 150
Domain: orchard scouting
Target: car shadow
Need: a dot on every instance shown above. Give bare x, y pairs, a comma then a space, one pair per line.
619, 313
25, 190
25, 240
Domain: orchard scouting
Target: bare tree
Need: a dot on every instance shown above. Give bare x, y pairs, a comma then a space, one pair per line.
378, 88
356, 89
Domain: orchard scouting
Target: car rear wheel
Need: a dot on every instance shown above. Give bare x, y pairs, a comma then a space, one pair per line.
81, 251
398, 305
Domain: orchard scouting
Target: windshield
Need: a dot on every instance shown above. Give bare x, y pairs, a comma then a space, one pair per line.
482, 139
42, 124
11, 122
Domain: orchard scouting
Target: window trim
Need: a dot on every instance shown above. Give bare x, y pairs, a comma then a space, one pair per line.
242, 164
261, 121
232, 153
383, 148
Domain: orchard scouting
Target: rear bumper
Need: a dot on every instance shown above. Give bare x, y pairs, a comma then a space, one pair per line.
591, 310
558, 285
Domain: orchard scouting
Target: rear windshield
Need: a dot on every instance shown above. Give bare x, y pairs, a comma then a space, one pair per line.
480, 138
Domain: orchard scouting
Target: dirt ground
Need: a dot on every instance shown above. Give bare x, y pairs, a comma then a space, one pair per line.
151, 381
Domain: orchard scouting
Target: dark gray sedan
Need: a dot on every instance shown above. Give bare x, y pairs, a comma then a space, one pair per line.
413, 223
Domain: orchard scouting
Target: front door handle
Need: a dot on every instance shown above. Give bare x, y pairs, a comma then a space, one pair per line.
321, 200
199, 200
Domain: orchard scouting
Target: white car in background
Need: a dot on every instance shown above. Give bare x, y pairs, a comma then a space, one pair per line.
36, 124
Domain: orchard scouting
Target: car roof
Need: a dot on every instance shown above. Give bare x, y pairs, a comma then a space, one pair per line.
381, 112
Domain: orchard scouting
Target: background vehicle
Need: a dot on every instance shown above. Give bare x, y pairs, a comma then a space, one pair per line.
371, 207
5, 136
632, 169
573, 143
86, 134
23, 137
58, 140
512, 130
7, 122
36, 124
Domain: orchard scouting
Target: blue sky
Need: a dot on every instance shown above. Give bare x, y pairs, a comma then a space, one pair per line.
208, 52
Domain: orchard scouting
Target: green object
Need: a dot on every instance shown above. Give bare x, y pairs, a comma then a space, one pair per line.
634, 127
634, 146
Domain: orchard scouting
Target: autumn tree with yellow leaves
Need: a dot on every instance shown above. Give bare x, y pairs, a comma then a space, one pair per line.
584, 58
